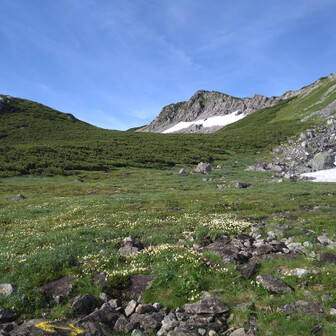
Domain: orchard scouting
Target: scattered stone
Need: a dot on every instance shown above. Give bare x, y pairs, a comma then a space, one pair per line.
325, 241
131, 246
242, 185
157, 306
273, 284
129, 310
78, 180
206, 306
203, 168
328, 257
238, 332
100, 279
137, 332
58, 289
182, 172
5, 315
115, 303
318, 330
250, 270
300, 272
85, 304
332, 311
145, 309
6, 289
322, 161
138, 284
301, 307
18, 197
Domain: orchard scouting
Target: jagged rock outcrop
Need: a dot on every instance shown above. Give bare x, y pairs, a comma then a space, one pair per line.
205, 104
312, 150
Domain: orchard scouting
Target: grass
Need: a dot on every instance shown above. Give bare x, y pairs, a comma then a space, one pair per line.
68, 228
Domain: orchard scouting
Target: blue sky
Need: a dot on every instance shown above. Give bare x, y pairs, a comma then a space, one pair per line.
115, 64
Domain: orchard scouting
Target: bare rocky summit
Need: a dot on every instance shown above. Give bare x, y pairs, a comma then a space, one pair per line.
205, 104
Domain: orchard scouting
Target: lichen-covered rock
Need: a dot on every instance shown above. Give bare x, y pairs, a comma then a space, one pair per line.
273, 284
6, 289
206, 306
58, 289
203, 168
302, 307
85, 304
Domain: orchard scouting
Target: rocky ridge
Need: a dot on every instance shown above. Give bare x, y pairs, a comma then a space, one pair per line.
312, 150
205, 104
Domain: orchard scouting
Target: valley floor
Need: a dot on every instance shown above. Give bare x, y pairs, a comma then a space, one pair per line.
199, 236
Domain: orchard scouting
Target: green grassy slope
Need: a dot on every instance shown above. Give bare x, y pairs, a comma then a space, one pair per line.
35, 139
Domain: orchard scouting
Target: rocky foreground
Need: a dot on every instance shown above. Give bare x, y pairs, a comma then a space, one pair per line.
208, 316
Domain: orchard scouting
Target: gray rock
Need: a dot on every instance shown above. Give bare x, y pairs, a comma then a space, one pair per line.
169, 322
302, 307
104, 297
325, 241
115, 303
300, 272
145, 309
250, 270
206, 306
6, 315
323, 161
129, 310
273, 284
203, 168
18, 197
85, 304
238, 332
6, 289
137, 332
242, 185
332, 311
151, 322
100, 279
328, 257
58, 289
182, 172
138, 284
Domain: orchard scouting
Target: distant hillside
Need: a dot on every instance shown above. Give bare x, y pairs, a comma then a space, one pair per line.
209, 111
35, 139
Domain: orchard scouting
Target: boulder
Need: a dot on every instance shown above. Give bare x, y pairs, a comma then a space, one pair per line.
250, 270
206, 306
322, 161
6, 289
182, 172
273, 284
328, 257
138, 284
203, 168
242, 185
130, 308
301, 307
58, 289
18, 197
5, 315
85, 304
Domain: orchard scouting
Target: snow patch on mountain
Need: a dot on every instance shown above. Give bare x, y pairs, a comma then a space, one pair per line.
327, 175
207, 122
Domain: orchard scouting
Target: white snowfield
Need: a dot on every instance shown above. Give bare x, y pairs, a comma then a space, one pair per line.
208, 122
328, 175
